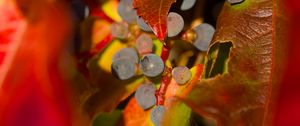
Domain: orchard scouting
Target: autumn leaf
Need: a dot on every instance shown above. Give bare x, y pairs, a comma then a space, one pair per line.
134, 115
286, 110
178, 113
154, 12
236, 86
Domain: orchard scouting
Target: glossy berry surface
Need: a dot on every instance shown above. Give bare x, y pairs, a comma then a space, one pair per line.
145, 95
123, 69
151, 65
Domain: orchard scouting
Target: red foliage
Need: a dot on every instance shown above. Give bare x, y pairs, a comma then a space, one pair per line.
288, 110
32, 90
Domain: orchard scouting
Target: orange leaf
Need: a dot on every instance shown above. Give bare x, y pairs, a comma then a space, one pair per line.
134, 115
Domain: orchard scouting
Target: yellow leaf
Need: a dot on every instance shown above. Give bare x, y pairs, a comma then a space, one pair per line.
110, 9
105, 60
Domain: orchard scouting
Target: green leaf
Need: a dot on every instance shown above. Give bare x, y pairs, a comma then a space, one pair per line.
177, 114
108, 119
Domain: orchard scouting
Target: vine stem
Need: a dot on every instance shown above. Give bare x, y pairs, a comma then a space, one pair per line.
165, 81
166, 77
165, 51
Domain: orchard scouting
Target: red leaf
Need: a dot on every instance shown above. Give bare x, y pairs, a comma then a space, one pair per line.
154, 12
287, 110
32, 90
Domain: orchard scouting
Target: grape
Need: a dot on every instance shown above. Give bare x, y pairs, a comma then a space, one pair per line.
142, 24
127, 53
119, 30
151, 65
145, 95
205, 34
187, 4
175, 24
123, 69
181, 75
157, 115
126, 11
144, 44
235, 1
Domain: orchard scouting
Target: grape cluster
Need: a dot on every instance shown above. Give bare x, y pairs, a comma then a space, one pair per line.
125, 63
123, 66
150, 65
139, 57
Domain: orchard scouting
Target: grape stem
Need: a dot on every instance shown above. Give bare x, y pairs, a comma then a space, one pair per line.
165, 51
160, 93
166, 77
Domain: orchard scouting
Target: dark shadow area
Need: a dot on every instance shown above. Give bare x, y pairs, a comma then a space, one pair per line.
217, 59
